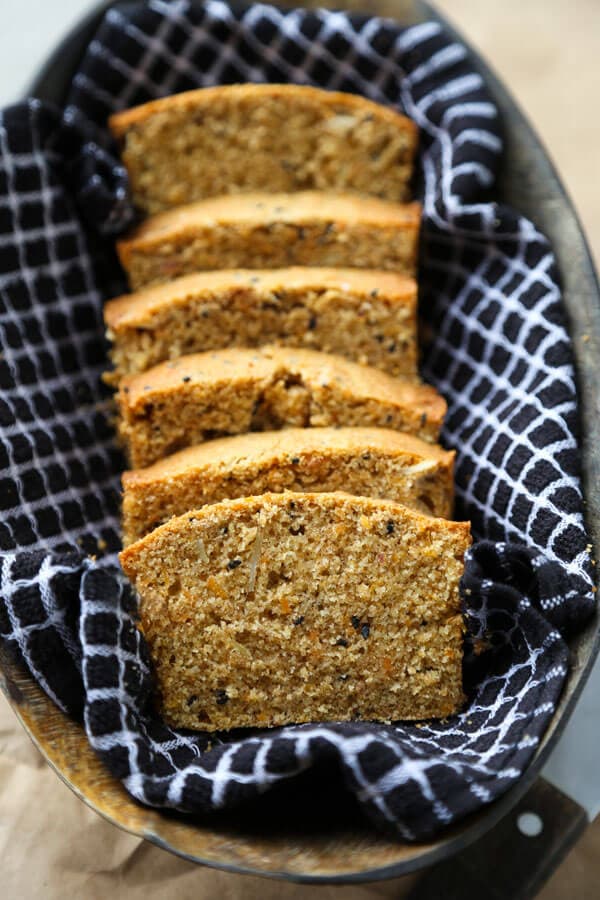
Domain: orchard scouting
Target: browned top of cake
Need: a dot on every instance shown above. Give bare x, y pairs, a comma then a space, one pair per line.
237, 138
192, 101
256, 209
316, 367
337, 500
256, 447
134, 308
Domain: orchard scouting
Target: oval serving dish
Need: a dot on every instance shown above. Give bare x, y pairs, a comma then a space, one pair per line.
340, 848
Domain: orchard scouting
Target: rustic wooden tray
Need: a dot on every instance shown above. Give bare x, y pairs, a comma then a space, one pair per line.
340, 847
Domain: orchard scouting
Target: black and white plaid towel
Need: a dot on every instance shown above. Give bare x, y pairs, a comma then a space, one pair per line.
497, 348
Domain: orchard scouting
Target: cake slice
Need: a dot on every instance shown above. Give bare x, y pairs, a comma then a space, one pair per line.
372, 462
206, 395
364, 315
266, 231
297, 607
248, 137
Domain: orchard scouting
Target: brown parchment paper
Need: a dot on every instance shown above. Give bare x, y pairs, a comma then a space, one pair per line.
51, 845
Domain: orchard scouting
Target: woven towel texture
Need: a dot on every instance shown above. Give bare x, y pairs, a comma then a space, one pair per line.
496, 346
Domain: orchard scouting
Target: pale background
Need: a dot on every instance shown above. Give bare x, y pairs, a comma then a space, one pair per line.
51, 845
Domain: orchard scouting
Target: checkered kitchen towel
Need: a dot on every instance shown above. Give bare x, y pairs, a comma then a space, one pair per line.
497, 348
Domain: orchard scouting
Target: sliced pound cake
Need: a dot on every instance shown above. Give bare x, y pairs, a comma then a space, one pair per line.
206, 395
266, 231
372, 462
248, 137
302, 607
363, 315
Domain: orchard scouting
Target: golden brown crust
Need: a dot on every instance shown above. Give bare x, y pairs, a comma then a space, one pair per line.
120, 122
258, 231
319, 368
358, 596
256, 446
375, 462
365, 316
238, 138
187, 400
135, 308
258, 208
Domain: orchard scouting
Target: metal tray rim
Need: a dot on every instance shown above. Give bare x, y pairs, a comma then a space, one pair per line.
47, 85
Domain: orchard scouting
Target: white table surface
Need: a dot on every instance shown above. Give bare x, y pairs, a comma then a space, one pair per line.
31, 28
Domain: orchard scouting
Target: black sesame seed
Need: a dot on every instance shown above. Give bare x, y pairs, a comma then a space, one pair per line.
295, 460
225, 529
388, 418
191, 699
341, 642
389, 528
366, 455
323, 238
355, 622
365, 630
221, 697
299, 620
423, 420
234, 563
375, 292
186, 378
392, 347
312, 323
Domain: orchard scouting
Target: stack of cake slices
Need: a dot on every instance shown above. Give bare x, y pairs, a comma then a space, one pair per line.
286, 518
